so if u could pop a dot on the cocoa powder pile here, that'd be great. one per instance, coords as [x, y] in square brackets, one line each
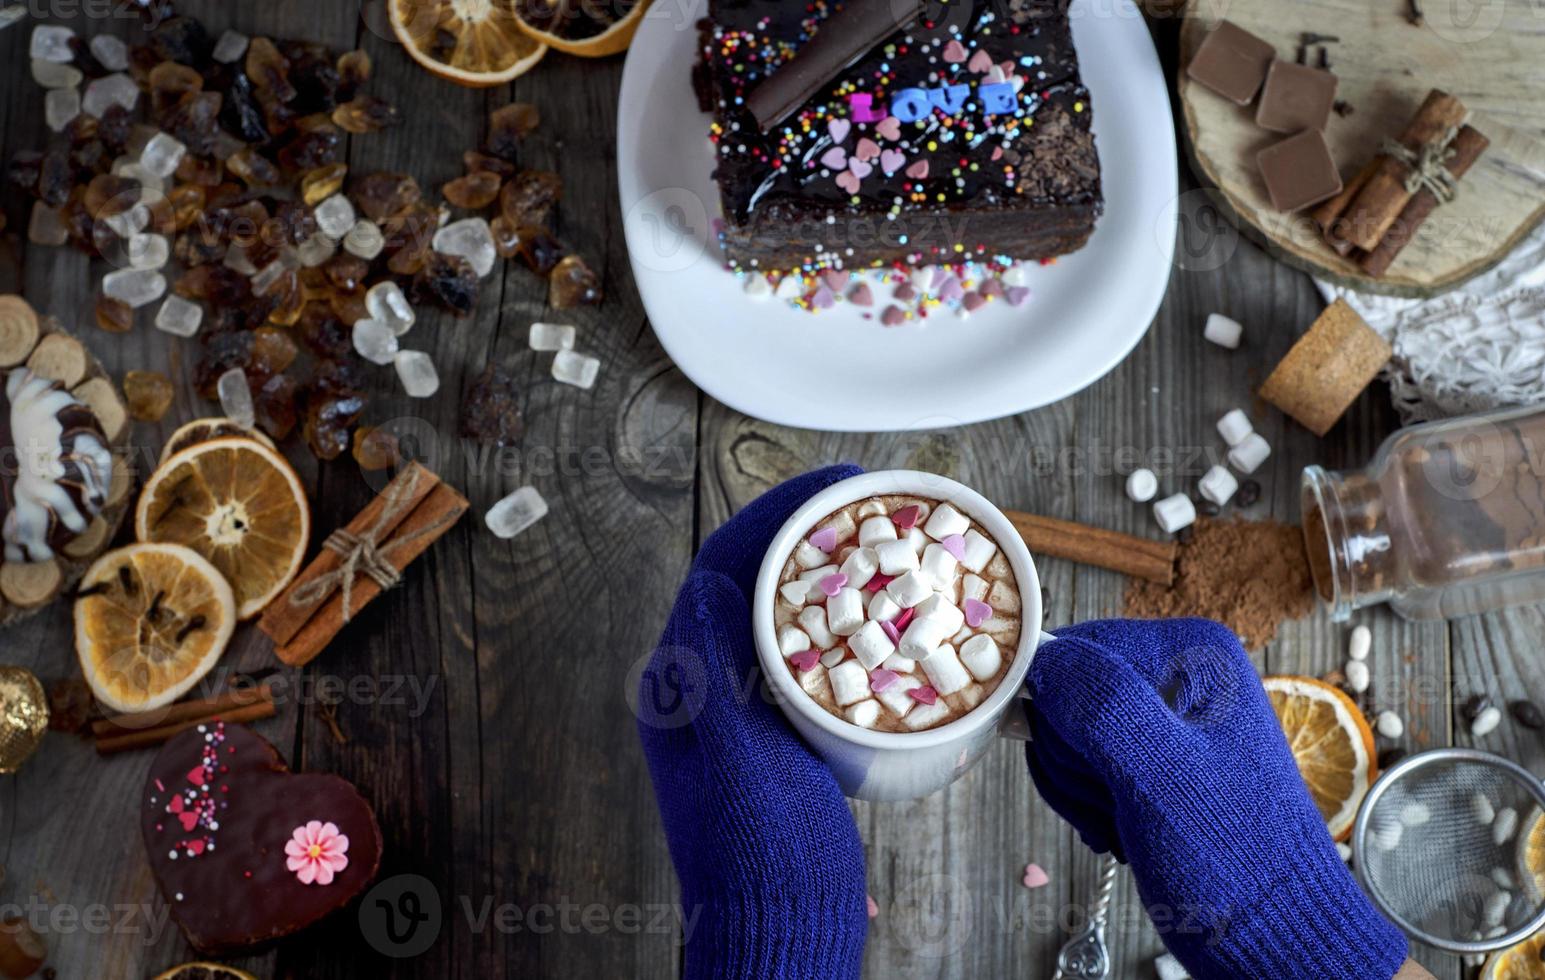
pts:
[1247, 575]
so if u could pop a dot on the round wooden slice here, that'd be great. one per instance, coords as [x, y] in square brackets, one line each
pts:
[1490, 54]
[56, 354]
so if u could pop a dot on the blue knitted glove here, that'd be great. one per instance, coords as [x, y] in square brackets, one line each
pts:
[1156, 740]
[769, 858]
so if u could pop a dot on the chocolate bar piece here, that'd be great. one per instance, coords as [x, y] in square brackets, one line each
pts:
[1232, 62]
[962, 139]
[1296, 97]
[1299, 171]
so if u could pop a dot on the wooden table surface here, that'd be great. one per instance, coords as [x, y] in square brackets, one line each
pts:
[486, 714]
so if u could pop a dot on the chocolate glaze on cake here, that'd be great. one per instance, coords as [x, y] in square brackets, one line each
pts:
[983, 172]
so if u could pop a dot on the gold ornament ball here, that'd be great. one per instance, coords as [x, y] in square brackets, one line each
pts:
[23, 717]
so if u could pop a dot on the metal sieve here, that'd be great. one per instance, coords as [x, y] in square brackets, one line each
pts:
[1441, 844]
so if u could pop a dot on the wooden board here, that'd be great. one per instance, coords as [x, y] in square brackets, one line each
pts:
[1385, 67]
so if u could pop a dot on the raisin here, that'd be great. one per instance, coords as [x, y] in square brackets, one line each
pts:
[490, 410]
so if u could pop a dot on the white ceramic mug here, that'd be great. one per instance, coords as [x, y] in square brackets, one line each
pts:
[878, 765]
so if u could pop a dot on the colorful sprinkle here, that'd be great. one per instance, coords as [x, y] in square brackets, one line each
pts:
[976, 612]
[833, 584]
[1035, 876]
[882, 679]
[806, 659]
[955, 544]
[906, 517]
[924, 694]
[825, 539]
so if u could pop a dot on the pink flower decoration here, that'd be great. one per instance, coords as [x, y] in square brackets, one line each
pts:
[317, 852]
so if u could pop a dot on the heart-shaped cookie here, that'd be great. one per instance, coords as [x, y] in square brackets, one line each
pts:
[246, 851]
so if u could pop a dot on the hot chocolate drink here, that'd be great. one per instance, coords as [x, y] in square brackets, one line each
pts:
[898, 613]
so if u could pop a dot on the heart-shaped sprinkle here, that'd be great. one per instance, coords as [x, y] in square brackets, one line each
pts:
[951, 289]
[1036, 876]
[980, 62]
[198, 775]
[906, 517]
[905, 292]
[835, 158]
[892, 161]
[973, 301]
[890, 630]
[881, 679]
[997, 153]
[995, 73]
[825, 539]
[867, 149]
[188, 819]
[879, 582]
[889, 128]
[874, 907]
[848, 182]
[894, 316]
[860, 295]
[1017, 295]
[955, 52]
[175, 806]
[823, 299]
[835, 278]
[806, 659]
[918, 170]
[832, 584]
[976, 612]
[838, 129]
[924, 694]
[904, 619]
[860, 168]
[990, 287]
[955, 544]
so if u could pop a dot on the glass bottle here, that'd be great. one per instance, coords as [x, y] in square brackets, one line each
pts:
[1448, 519]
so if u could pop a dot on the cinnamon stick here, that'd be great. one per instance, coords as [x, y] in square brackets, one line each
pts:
[1327, 216]
[111, 744]
[441, 508]
[1467, 147]
[1138, 557]
[1384, 195]
[197, 709]
[284, 618]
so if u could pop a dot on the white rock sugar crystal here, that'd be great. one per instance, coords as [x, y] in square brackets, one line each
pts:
[418, 374]
[335, 217]
[579, 370]
[60, 107]
[385, 302]
[52, 43]
[471, 239]
[162, 155]
[110, 90]
[135, 287]
[364, 240]
[52, 74]
[516, 513]
[236, 398]
[375, 341]
[231, 46]
[46, 227]
[148, 251]
[552, 336]
[111, 53]
[179, 317]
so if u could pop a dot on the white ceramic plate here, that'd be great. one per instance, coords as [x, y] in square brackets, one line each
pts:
[837, 370]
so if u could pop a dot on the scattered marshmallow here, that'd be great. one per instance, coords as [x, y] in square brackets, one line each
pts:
[939, 565]
[792, 640]
[1359, 643]
[1142, 485]
[1218, 485]
[860, 567]
[1166, 967]
[870, 645]
[918, 539]
[979, 551]
[923, 638]
[876, 530]
[1359, 678]
[833, 657]
[944, 670]
[896, 557]
[900, 664]
[1483, 809]
[882, 608]
[1486, 722]
[945, 521]
[938, 607]
[1387, 834]
[1503, 878]
[895, 696]
[910, 589]
[1235, 427]
[981, 657]
[1223, 331]
[807, 555]
[1415, 814]
[1174, 512]
[1250, 453]
[927, 715]
[1496, 908]
[864, 714]
[812, 619]
[1503, 827]
[1390, 725]
[845, 612]
[1344, 852]
[850, 682]
[973, 587]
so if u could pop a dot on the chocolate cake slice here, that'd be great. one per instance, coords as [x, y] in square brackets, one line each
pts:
[962, 136]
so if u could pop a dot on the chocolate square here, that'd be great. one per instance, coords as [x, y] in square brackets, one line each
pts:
[1299, 171]
[1296, 97]
[1232, 62]
[1327, 369]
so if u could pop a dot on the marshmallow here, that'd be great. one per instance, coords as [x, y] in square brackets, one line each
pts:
[900, 664]
[792, 640]
[923, 636]
[938, 607]
[973, 587]
[1360, 642]
[1223, 331]
[1218, 485]
[1142, 485]
[812, 619]
[943, 669]
[1166, 966]
[979, 551]
[863, 714]
[946, 520]
[833, 657]
[860, 567]
[1174, 513]
[981, 657]
[870, 645]
[927, 715]
[814, 681]
[813, 578]
[895, 697]
[970, 696]
[871, 507]
[845, 612]
[850, 682]
[876, 530]
[1235, 427]
[962, 635]
[1249, 454]
[939, 565]
[882, 608]
[807, 555]
[918, 540]
[795, 593]
[910, 589]
[896, 557]
[1004, 598]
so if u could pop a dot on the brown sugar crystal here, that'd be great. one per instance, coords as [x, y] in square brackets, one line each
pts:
[1247, 575]
[1327, 369]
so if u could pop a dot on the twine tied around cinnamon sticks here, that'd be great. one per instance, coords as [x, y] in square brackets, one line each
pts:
[1429, 164]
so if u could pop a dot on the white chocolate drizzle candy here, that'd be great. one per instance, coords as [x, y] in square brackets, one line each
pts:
[55, 470]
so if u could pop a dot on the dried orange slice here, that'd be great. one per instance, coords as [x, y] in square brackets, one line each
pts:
[150, 622]
[476, 43]
[203, 430]
[237, 503]
[1531, 856]
[1331, 741]
[588, 28]
[1520, 962]
[205, 971]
